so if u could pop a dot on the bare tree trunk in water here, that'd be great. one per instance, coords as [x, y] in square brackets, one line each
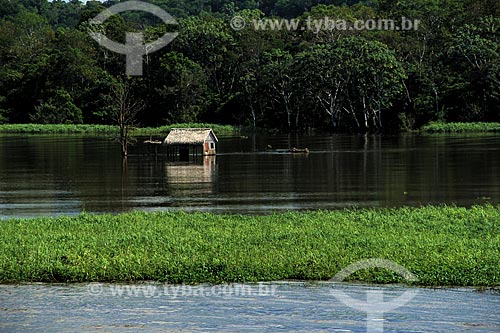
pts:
[124, 113]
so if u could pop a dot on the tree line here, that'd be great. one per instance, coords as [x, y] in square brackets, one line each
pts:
[52, 71]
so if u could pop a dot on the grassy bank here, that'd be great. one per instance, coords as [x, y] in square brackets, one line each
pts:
[441, 245]
[220, 130]
[461, 128]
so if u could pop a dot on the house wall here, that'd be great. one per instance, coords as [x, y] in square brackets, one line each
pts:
[209, 147]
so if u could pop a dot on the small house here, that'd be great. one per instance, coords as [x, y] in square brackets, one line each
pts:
[185, 141]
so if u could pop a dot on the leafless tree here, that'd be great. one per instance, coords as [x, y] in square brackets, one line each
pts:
[124, 110]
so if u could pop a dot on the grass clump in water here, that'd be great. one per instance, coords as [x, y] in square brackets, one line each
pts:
[441, 245]
[439, 127]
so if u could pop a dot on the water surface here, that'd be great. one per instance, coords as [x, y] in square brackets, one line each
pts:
[50, 175]
[282, 307]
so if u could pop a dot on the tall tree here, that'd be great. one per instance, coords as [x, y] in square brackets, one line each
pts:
[277, 75]
[208, 41]
[58, 109]
[353, 76]
[25, 44]
[183, 88]
[476, 51]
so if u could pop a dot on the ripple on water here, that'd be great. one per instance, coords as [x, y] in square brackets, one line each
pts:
[298, 307]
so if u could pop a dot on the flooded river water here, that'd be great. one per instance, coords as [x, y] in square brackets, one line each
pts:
[51, 175]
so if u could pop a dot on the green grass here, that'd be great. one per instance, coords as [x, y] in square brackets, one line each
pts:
[442, 245]
[57, 129]
[220, 130]
[437, 127]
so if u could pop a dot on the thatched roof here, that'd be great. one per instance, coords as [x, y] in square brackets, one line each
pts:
[189, 136]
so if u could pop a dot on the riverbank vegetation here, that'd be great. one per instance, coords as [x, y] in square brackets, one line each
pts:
[448, 70]
[443, 246]
[461, 128]
[220, 130]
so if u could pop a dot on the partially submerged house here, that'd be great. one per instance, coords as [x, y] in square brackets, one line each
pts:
[185, 141]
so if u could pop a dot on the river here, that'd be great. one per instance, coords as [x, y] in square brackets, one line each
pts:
[54, 175]
[269, 307]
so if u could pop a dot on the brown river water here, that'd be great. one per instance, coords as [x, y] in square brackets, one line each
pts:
[52, 175]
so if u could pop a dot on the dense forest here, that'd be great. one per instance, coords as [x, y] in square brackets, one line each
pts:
[52, 71]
